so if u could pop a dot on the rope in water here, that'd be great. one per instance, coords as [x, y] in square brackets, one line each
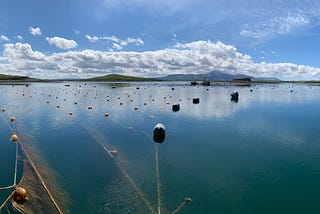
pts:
[158, 179]
[138, 191]
[41, 179]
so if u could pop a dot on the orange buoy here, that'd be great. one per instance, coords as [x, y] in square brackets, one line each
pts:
[20, 194]
[114, 152]
[12, 119]
[106, 114]
[14, 138]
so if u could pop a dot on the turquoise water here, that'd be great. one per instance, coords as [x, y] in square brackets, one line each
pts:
[258, 155]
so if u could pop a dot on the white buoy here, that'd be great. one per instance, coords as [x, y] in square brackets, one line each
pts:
[159, 133]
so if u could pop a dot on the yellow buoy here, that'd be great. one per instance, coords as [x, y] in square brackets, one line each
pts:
[14, 138]
[12, 119]
[20, 195]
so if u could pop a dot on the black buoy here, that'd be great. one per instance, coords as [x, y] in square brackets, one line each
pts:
[196, 100]
[176, 107]
[235, 96]
[159, 133]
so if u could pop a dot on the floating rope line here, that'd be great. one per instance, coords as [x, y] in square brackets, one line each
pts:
[158, 180]
[16, 164]
[6, 201]
[138, 191]
[7, 123]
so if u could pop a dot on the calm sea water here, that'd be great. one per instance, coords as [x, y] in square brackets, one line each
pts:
[258, 155]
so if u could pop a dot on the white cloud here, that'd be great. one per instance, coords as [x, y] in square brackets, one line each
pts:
[62, 43]
[18, 37]
[92, 38]
[76, 31]
[117, 43]
[35, 31]
[275, 26]
[4, 38]
[116, 46]
[194, 57]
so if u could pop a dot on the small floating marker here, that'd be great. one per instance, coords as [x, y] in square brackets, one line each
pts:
[48, 102]
[14, 138]
[114, 152]
[121, 104]
[20, 194]
[71, 113]
[145, 103]
[106, 114]
[3, 110]
[195, 100]
[58, 106]
[89, 107]
[159, 133]
[75, 103]
[12, 119]
[175, 107]
[136, 108]
[172, 89]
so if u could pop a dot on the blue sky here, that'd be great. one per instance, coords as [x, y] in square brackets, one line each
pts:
[68, 38]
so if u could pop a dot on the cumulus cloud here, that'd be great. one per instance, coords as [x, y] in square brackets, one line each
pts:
[4, 38]
[61, 42]
[35, 31]
[194, 57]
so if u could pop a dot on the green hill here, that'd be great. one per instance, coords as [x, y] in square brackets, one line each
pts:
[4, 77]
[118, 77]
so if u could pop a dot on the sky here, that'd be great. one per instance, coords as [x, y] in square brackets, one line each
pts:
[81, 39]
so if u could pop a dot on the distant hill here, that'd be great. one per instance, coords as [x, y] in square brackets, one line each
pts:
[213, 75]
[5, 77]
[120, 78]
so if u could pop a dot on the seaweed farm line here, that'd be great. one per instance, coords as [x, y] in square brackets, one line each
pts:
[159, 148]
